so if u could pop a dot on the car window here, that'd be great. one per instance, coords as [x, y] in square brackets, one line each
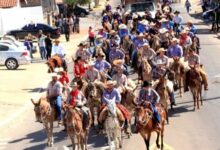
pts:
[42, 27]
[28, 27]
[4, 48]
[142, 7]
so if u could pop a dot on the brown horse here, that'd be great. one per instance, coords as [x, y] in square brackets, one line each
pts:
[75, 130]
[163, 91]
[56, 62]
[178, 69]
[195, 83]
[46, 114]
[144, 71]
[93, 94]
[145, 123]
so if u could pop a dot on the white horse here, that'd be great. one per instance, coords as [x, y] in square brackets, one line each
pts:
[112, 126]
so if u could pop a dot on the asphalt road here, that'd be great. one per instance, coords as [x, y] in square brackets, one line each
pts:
[188, 129]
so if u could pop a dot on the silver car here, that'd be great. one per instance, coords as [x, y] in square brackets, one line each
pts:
[12, 55]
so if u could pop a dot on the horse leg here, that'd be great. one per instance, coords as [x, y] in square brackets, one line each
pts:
[162, 135]
[200, 94]
[109, 139]
[51, 132]
[194, 98]
[47, 132]
[197, 98]
[167, 117]
[180, 87]
[146, 140]
[157, 140]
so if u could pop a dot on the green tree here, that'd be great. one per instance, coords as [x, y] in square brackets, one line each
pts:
[74, 2]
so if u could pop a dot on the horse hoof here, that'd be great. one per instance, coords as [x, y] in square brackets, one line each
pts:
[158, 146]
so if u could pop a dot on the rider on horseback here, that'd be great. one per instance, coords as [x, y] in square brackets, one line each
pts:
[194, 61]
[54, 95]
[77, 99]
[147, 94]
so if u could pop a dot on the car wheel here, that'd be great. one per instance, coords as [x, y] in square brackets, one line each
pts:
[82, 14]
[11, 64]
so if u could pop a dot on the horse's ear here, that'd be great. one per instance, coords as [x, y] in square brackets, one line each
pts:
[33, 102]
[39, 102]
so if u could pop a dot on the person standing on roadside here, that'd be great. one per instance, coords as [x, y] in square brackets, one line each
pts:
[41, 44]
[187, 5]
[66, 27]
[91, 36]
[76, 24]
[48, 43]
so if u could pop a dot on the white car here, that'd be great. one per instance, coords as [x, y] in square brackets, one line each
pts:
[140, 7]
[12, 55]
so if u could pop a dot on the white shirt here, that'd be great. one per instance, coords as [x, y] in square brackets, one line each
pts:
[59, 50]
[178, 19]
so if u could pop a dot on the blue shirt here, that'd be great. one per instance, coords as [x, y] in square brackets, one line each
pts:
[175, 51]
[114, 94]
[116, 54]
[101, 65]
[138, 43]
[148, 95]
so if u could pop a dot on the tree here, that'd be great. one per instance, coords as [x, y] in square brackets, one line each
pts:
[74, 2]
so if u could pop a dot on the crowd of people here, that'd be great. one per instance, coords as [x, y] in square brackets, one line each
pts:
[125, 41]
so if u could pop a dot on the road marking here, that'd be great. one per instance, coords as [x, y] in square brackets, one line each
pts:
[166, 147]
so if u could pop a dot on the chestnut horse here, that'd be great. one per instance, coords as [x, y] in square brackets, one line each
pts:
[178, 69]
[195, 84]
[144, 71]
[75, 130]
[56, 62]
[145, 123]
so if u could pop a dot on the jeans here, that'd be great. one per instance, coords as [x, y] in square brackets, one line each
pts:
[58, 107]
[43, 52]
[155, 113]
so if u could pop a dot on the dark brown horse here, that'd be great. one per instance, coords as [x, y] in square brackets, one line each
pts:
[146, 125]
[195, 83]
[56, 62]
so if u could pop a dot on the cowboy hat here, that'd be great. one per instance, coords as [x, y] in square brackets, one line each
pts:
[110, 83]
[140, 35]
[56, 41]
[184, 31]
[127, 12]
[176, 12]
[118, 62]
[135, 16]
[57, 70]
[145, 44]
[91, 63]
[54, 75]
[80, 44]
[175, 40]
[146, 84]
[112, 32]
[163, 30]
[74, 84]
[152, 24]
[99, 36]
[144, 22]
[161, 50]
[122, 26]
[100, 54]
[163, 20]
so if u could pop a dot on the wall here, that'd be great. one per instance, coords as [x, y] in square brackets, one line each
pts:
[15, 18]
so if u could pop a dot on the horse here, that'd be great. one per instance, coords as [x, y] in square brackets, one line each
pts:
[56, 62]
[112, 126]
[144, 71]
[178, 69]
[144, 120]
[195, 83]
[75, 130]
[163, 91]
[93, 94]
[46, 114]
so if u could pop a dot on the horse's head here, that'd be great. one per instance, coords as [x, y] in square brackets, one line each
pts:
[50, 66]
[146, 66]
[143, 115]
[194, 73]
[112, 109]
[92, 90]
[37, 109]
[162, 86]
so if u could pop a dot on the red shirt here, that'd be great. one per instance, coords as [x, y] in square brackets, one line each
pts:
[73, 95]
[79, 69]
[91, 33]
[64, 78]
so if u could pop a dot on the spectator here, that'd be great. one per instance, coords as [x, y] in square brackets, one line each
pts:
[41, 44]
[91, 36]
[76, 24]
[66, 27]
[187, 5]
[48, 43]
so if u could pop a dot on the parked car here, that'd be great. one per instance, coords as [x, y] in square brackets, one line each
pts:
[140, 6]
[12, 56]
[10, 39]
[79, 11]
[34, 29]
[209, 14]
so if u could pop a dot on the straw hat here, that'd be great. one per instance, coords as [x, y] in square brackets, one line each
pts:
[135, 16]
[91, 63]
[53, 75]
[144, 22]
[118, 62]
[99, 36]
[145, 44]
[184, 31]
[56, 41]
[175, 40]
[110, 83]
[122, 26]
[163, 30]
[163, 20]
[112, 32]
[161, 50]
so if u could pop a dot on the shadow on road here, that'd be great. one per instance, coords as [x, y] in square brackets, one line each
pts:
[19, 69]
[35, 90]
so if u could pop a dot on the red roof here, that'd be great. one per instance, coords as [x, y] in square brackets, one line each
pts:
[8, 3]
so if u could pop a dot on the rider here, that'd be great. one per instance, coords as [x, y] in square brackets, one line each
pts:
[78, 100]
[79, 67]
[81, 52]
[194, 61]
[115, 53]
[91, 74]
[175, 50]
[178, 20]
[54, 95]
[147, 53]
[147, 93]
[111, 93]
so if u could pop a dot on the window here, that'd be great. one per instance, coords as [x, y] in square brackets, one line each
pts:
[4, 48]
[138, 7]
